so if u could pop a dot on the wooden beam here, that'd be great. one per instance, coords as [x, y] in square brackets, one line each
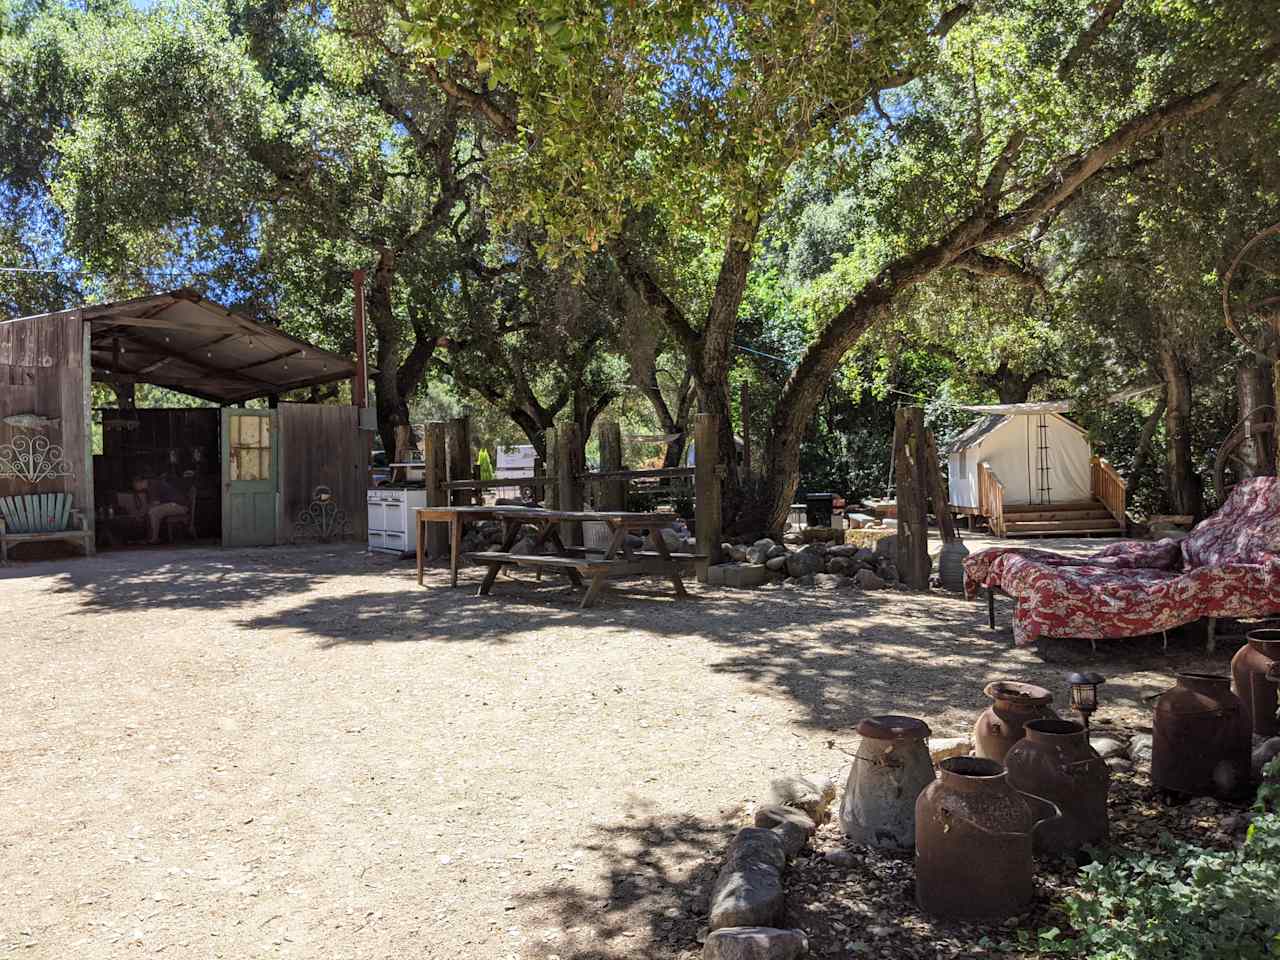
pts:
[938, 489]
[434, 474]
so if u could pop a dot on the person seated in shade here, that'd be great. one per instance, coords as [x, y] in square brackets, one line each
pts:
[156, 500]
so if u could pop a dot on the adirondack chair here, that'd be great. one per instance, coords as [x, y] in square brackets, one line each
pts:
[40, 516]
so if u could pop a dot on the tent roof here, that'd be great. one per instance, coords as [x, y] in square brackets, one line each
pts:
[974, 432]
[185, 342]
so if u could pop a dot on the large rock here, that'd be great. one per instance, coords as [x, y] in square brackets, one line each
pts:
[864, 555]
[868, 580]
[887, 546]
[759, 551]
[804, 562]
[888, 571]
[738, 553]
[778, 550]
[812, 794]
[843, 550]
[748, 890]
[828, 581]
[776, 564]
[755, 943]
[793, 827]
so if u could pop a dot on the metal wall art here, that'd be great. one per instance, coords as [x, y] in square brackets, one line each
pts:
[322, 519]
[34, 459]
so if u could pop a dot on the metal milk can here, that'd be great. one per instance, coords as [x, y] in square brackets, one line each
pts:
[891, 767]
[1249, 679]
[1013, 704]
[1055, 762]
[1202, 737]
[973, 842]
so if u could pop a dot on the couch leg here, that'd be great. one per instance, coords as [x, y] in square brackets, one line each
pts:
[991, 607]
[1210, 635]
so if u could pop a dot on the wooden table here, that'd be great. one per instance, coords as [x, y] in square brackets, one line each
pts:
[620, 557]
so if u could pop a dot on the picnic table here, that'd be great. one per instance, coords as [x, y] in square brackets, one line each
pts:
[578, 564]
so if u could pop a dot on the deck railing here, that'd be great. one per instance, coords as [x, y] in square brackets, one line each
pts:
[991, 498]
[1109, 487]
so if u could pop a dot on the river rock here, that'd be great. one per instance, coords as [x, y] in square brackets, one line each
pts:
[1108, 746]
[738, 553]
[828, 581]
[1140, 747]
[776, 564]
[888, 571]
[868, 580]
[777, 550]
[804, 562]
[755, 943]
[841, 566]
[793, 827]
[812, 794]
[748, 890]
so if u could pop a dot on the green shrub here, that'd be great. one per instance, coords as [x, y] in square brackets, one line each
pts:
[1181, 902]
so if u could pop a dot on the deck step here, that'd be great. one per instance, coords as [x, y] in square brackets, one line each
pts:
[1062, 527]
[1047, 514]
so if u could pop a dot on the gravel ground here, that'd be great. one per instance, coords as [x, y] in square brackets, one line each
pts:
[297, 752]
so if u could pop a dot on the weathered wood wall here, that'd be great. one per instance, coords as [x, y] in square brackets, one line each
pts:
[42, 372]
[321, 444]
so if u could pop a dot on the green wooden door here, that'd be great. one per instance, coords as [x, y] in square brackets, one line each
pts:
[250, 477]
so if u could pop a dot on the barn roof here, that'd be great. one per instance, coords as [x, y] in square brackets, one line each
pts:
[185, 342]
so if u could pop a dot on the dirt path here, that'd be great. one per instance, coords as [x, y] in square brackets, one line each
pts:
[298, 753]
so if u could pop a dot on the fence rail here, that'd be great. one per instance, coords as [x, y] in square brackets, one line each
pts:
[991, 498]
[1109, 487]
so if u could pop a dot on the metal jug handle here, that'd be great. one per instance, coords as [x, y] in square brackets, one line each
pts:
[1057, 810]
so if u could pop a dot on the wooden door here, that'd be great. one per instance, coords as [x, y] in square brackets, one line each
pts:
[250, 477]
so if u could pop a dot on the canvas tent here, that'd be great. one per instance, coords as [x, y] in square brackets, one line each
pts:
[1039, 455]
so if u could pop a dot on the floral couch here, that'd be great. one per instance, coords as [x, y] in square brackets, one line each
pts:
[1229, 566]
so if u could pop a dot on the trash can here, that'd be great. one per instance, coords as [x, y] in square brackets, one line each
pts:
[818, 509]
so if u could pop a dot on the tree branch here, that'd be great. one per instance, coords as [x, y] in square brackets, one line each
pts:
[1084, 43]
[985, 265]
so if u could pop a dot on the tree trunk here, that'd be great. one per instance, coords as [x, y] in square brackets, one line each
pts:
[393, 410]
[1255, 388]
[1180, 478]
[1143, 452]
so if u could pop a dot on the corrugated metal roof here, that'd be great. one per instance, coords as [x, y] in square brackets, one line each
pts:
[181, 340]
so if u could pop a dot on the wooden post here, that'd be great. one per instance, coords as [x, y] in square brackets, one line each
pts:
[706, 489]
[744, 405]
[458, 463]
[539, 470]
[938, 489]
[551, 492]
[360, 382]
[569, 470]
[612, 492]
[912, 489]
[434, 443]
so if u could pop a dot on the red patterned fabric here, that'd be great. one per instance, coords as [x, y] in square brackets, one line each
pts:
[1228, 567]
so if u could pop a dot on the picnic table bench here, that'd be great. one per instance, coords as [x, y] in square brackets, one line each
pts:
[578, 564]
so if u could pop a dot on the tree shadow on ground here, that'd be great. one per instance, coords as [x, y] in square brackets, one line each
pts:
[204, 579]
[658, 874]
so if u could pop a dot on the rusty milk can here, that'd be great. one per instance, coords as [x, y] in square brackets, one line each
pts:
[973, 843]
[890, 768]
[1013, 704]
[1249, 681]
[1054, 761]
[1202, 737]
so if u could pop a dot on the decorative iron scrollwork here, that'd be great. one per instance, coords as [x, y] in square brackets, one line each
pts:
[322, 519]
[34, 459]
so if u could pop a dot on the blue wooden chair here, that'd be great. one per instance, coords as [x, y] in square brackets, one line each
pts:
[40, 516]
